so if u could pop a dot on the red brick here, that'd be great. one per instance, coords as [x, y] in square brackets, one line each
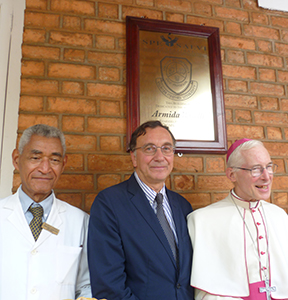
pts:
[205, 21]
[31, 103]
[284, 35]
[71, 71]
[70, 39]
[277, 149]
[172, 17]
[234, 28]
[240, 101]
[267, 89]
[73, 123]
[105, 42]
[109, 74]
[229, 115]
[214, 183]
[234, 56]
[75, 182]
[230, 13]
[75, 162]
[174, 5]
[271, 118]
[73, 199]
[197, 200]
[279, 21]
[280, 199]
[34, 36]
[259, 18]
[283, 76]
[112, 108]
[184, 182]
[282, 49]
[274, 133]
[39, 86]
[25, 120]
[71, 105]
[42, 20]
[74, 6]
[103, 26]
[243, 116]
[203, 9]
[262, 32]
[237, 86]
[267, 75]
[110, 143]
[237, 42]
[109, 11]
[189, 164]
[280, 183]
[244, 131]
[250, 4]
[107, 180]
[89, 199]
[112, 59]
[80, 143]
[109, 163]
[73, 88]
[264, 60]
[239, 72]
[233, 3]
[74, 55]
[40, 52]
[215, 165]
[105, 90]
[281, 165]
[107, 125]
[267, 103]
[284, 105]
[264, 46]
[73, 23]
[32, 68]
[145, 2]
[37, 4]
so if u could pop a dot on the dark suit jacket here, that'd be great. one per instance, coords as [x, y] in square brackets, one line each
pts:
[128, 253]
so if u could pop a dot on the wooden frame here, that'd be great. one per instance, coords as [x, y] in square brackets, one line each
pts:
[155, 38]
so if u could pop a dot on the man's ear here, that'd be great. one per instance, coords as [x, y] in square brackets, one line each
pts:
[133, 158]
[230, 173]
[64, 162]
[15, 159]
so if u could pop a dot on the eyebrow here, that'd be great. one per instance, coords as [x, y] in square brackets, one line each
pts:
[35, 151]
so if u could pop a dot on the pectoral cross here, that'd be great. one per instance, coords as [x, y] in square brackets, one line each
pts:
[267, 289]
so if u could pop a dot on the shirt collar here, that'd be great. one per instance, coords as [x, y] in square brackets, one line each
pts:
[245, 203]
[26, 202]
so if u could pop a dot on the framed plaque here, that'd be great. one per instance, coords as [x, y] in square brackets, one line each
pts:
[174, 75]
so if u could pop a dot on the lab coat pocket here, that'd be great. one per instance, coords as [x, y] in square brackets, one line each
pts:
[67, 261]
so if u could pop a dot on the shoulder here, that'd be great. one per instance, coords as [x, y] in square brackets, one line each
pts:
[72, 211]
[274, 209]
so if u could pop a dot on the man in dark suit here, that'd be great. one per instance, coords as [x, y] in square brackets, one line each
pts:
[138, 243]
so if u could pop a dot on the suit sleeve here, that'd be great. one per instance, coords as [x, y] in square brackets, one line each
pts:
[105, 252]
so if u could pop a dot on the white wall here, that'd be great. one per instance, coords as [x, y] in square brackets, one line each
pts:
[11, 14]
[275, 4]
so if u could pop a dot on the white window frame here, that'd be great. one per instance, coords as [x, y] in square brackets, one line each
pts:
[11, 32]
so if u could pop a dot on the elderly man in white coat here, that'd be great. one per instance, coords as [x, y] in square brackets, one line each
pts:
[241, 243]
[42, 239]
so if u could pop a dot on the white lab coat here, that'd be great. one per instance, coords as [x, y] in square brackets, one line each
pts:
[52, 268]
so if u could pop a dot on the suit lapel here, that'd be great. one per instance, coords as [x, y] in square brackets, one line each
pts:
[140, 201]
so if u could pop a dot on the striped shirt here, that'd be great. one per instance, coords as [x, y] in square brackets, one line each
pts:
[151, 195]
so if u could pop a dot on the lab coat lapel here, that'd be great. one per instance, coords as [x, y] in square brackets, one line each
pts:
[17, 217]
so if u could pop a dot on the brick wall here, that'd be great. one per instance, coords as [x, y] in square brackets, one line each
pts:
[73, 77]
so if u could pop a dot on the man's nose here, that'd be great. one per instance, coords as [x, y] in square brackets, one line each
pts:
[158, 154]
[44, 165]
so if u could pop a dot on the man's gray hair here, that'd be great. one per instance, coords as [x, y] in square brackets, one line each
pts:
[41, 130]
[236, 159]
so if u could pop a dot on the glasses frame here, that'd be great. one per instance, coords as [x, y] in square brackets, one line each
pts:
[274, 166]
[161, 147]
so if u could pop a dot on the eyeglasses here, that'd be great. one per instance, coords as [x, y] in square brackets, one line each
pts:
[151, 149]
[258, 170]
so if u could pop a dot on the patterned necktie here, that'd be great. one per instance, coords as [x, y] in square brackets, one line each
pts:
[36, 223]
[165, 226]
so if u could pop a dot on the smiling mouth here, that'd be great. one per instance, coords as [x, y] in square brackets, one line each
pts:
[262, 186]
